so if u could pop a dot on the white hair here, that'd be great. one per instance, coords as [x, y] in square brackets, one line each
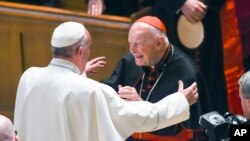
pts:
[244, 83]
[158, 32]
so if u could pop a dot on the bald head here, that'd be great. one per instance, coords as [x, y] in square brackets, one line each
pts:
[6, 129]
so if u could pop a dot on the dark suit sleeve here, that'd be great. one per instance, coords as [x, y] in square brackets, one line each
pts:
[125, 73]
[117, 75]
[204, 98]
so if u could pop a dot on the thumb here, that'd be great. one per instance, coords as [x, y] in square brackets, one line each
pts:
[181, 86]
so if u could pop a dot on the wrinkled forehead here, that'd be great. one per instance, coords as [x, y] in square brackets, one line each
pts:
[139, 26]
[140, 30]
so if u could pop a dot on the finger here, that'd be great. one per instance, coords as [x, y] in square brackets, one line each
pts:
[102, 58]
[124, 91]
[198, 16]
[101, 64]
[94, 71]
[119, 86]
[191, 19]
[89, 11]
[94, 9]
[130, 97]
[181, 86]
[196, 90]
[133, 90]
[124, 96]
[196, 95]
[200, 10]
[193, 86]
[99, 9]
[128, 87]
[202, 5]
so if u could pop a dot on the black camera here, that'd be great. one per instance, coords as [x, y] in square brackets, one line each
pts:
[217, 126]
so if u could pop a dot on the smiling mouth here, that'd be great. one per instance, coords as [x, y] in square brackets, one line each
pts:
[138, 56]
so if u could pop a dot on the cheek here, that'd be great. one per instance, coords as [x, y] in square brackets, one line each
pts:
[244, 107]
[149, 54]
[86, 54]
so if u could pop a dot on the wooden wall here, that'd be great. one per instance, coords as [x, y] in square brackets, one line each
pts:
[25, 33]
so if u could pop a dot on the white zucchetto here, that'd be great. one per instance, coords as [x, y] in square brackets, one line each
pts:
[67, 34]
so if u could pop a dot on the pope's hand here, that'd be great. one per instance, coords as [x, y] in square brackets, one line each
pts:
[94, 65]
[191, 92]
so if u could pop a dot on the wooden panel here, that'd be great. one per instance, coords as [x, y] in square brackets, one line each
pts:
[79, 5]
[11, 69]
[25, 33]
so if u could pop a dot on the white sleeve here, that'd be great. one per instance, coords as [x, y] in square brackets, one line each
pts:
[170, 110]
[84, 74]
[143, 116]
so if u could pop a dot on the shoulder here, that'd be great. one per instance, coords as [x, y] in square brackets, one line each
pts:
[31, 71]
[181, 59]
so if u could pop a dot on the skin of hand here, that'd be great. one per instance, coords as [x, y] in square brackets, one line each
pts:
[95, 64]
[128, 93]
[194, 10]
[95, 7]
[191, 92]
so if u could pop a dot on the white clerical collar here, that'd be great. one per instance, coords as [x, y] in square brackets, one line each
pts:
[65, 64]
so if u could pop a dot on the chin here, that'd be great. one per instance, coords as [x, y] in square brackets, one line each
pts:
[139, 64]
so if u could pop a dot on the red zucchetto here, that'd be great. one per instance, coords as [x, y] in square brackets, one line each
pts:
[153, 21]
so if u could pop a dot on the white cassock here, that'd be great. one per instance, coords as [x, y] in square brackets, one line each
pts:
[56, 103]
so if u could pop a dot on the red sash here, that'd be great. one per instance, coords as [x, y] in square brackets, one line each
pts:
[184, 135]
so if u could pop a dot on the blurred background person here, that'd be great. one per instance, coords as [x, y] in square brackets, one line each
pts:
[244, 93]
[117, 7]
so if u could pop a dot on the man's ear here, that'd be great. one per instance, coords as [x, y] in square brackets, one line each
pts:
[159, 41]
[80, 51]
